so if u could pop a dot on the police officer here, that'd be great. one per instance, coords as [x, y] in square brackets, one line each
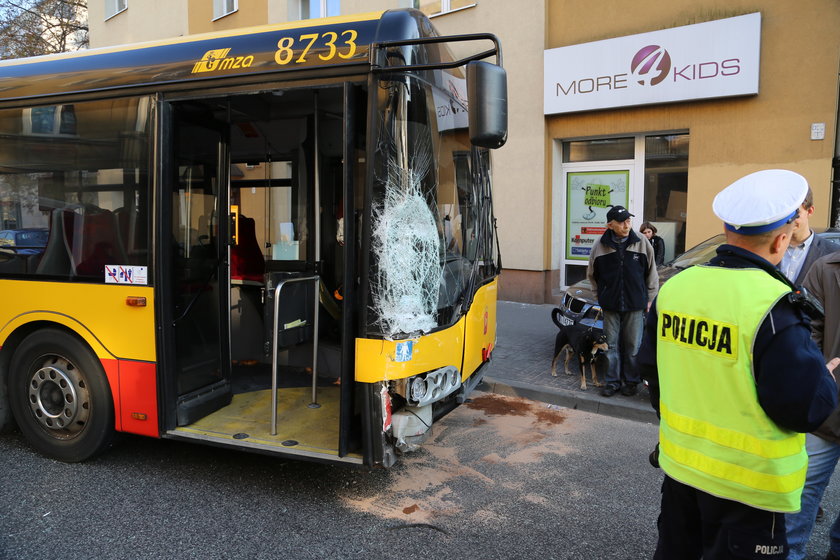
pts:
[736, 380]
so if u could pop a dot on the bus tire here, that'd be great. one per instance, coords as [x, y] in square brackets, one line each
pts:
[60, 396]
[7, 423]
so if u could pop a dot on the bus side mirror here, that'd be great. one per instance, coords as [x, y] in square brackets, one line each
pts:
[487, 92]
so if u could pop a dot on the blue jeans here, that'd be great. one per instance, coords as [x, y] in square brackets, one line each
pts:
[628, 327]
[822, 458]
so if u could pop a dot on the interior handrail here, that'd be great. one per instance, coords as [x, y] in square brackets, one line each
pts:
[316, 279]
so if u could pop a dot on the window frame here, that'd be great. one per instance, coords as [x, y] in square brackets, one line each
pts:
[446, 8]
[114, 8]
[220, 8]
[323, 9]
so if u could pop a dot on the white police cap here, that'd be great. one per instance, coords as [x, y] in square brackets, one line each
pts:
[761, 201]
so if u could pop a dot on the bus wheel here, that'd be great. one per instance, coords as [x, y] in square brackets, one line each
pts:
[60, 396]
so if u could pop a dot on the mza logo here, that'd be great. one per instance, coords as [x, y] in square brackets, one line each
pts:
[218, 59]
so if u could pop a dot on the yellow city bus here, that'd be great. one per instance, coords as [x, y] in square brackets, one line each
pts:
[279, 239]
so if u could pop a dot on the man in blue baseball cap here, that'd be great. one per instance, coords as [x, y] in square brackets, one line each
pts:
[736, 381]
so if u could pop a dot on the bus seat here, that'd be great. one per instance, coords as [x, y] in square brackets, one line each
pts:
[100, 244]
[246, 259]
[56, 260]
[126, 218]
[32, 262]
[12, 264]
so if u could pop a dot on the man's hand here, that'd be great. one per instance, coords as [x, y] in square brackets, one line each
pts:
[831, 366]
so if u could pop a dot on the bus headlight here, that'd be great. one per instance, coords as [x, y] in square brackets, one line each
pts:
[417, 389]
[432, 386]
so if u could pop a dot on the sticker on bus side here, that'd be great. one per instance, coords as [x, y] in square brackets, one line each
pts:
[125, 274]
[405, 351]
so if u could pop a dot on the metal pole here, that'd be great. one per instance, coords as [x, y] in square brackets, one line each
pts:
[316, 279]
[317, 195]
[314, 403]
[274, 361]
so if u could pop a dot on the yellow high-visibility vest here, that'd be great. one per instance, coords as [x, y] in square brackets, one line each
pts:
[714, 435]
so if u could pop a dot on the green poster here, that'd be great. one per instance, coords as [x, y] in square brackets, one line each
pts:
[589, 195]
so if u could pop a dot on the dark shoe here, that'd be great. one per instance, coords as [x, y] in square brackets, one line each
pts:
[820, 514]
[629, 389]
[608, 391]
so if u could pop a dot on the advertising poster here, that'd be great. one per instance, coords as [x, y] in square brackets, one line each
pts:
[589, 195]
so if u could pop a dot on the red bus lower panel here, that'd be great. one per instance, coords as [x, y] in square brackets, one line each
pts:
[135, 396]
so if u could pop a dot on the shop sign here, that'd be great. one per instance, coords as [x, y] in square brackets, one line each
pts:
[451, 110]
[702, 61]
[589, 196]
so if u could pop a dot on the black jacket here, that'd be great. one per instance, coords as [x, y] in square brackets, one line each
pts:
[658, 249]
[623, 274]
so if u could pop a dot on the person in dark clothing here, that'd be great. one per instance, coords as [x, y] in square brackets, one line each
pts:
[649, 230]
[823, 283]
[736, 380]
[805, 247]
[622, 272]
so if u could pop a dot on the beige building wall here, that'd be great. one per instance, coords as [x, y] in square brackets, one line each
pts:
[798, 86]
[249, 14]
[144, 20]
[519, 168]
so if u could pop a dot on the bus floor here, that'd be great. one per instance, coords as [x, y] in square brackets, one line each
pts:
[302, 430]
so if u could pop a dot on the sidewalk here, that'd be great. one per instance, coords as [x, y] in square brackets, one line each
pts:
[521, 366]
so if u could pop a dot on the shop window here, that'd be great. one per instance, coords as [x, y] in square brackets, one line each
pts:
[646, 173]
[222, 8]
[666, 188]
[606, 149]
[113, 7]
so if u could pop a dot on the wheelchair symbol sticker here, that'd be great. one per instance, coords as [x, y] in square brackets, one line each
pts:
[405, 351]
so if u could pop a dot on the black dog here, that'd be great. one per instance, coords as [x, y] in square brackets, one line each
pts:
[586, 345]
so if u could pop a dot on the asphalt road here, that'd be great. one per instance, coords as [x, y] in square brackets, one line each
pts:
[502, 478]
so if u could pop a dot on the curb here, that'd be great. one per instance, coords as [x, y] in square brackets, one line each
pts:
[617, 406]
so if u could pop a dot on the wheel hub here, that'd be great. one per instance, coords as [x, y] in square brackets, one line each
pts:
[59, 398]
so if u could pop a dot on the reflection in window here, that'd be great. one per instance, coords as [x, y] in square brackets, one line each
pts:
[603, 149]
[666, 188]
[53, 120]
[75, 179]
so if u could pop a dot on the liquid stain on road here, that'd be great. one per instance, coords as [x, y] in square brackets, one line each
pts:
[496, 405]
[467, 452]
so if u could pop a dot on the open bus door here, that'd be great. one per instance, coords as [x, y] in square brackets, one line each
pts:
[197, 273]
[267, 362]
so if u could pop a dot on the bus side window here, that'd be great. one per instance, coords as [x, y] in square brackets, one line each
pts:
[75, 186]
